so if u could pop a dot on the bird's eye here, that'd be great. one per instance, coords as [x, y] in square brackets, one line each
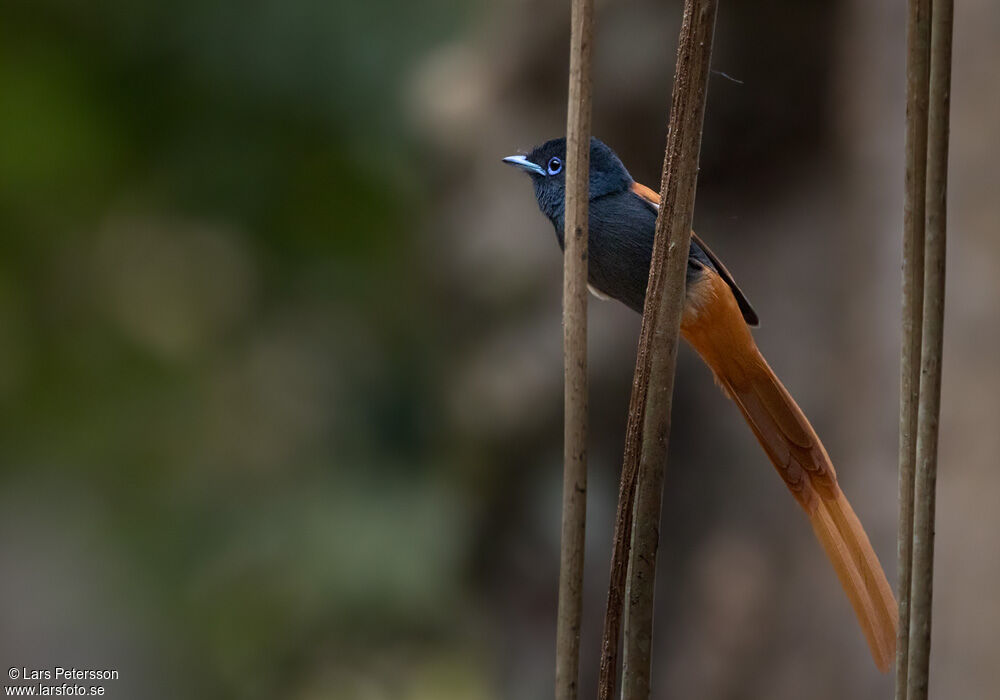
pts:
[554, 166]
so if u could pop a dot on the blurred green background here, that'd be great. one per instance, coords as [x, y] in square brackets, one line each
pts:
[280, 371]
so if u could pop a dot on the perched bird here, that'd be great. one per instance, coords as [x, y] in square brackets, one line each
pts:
[716, 322]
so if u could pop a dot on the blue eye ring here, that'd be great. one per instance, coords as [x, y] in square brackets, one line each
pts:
[554, 165]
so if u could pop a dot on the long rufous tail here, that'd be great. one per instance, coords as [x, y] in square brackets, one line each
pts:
[714, 326]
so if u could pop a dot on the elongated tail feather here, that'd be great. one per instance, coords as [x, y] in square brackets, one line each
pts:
[713, 324]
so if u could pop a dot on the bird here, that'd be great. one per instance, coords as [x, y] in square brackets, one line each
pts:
[716, 322]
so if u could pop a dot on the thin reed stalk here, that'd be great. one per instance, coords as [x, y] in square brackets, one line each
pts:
[928, 413]
[574, 514]
[917, 85]
[659, 338]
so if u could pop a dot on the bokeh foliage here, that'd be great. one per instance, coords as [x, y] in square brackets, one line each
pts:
[214, 349]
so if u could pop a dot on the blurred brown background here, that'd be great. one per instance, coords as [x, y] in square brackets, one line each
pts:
[280, 364]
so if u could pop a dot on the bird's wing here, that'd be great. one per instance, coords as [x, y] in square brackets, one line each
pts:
[749, 315]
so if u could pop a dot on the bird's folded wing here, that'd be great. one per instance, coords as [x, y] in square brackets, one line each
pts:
[749, 315]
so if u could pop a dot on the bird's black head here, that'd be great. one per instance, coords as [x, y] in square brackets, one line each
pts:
[547, 167]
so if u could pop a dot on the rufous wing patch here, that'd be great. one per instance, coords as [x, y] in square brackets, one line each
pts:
[749, 315]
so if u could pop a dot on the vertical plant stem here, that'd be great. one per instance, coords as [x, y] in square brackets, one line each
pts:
[925, 481]
[622, 543]
[574, 514]
[664, 304]
[917, 85]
